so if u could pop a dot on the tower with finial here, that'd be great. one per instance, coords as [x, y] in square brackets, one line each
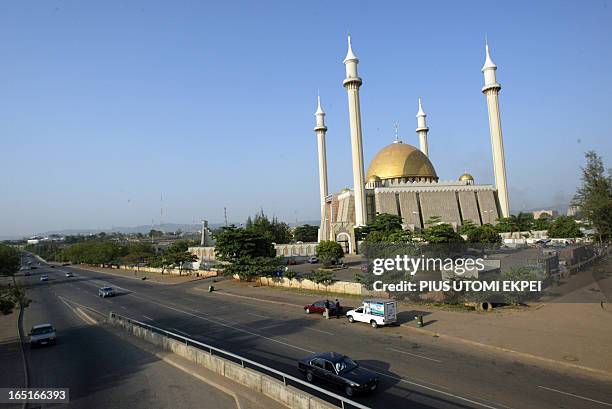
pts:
[351, 83]
[491, 90]
[422, 130]
[320, 130]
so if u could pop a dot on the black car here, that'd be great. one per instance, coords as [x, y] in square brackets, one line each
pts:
[339, 370]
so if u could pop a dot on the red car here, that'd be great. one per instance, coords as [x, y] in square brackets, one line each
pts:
[319, 308]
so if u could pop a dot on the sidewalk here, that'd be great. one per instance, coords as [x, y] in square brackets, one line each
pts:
[11, 357]
[574, 336]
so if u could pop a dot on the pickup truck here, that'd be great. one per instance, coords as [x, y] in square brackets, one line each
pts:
[375, 312]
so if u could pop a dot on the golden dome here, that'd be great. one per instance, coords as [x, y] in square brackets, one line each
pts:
[401, 160]
[466, 177]
[372, 178]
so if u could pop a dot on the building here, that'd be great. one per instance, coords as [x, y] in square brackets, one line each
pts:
[546, 214]
[401, 178]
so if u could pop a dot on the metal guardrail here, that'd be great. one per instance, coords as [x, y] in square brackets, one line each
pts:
[189, 341]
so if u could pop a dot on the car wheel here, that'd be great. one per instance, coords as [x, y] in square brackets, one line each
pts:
[349, 391]
[309, 376]
[351, 319]
[307, 310]
[373, 324]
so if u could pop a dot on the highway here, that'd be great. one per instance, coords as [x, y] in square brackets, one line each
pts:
[101, 369]
[412, 375]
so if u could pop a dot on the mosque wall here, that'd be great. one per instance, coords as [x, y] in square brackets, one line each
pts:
[488, 206]
[469, 207]
[410, 209]
[442, 204]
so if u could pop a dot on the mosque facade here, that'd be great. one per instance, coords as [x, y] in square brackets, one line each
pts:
[401, 179]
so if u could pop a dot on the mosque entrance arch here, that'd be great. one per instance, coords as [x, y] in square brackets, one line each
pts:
[344, 239]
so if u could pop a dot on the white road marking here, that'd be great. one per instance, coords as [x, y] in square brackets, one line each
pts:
[149, 318]
[415, 355]
[318, 330]
[257, 315]
[576, 396]
[123, 307]
[181, 332]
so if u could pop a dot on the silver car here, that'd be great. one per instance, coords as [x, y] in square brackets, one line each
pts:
[106, 292]
[42, 334]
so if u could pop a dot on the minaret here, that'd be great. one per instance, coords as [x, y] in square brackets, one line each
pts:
[320, 130]
[422, 130]
[352, 82]
[491, 90]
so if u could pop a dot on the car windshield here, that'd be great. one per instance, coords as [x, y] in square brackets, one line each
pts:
[346, 364]
[43, 330]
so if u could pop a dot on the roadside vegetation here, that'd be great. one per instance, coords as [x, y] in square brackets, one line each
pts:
[11, 294]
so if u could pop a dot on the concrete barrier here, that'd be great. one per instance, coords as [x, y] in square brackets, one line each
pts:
[256, 381]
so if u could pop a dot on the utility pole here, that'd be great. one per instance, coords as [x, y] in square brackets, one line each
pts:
[225, 215]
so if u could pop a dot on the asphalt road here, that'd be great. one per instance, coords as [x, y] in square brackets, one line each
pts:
[101, 369]
[413, 375]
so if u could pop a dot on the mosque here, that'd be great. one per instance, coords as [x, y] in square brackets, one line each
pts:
[401, 178]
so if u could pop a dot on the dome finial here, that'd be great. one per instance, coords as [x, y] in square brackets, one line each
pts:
[489, 64]
[420, 112]
[319, 109]
[350, 55]
[396, 129]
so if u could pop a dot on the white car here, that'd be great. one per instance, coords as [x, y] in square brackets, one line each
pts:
[69, 274]
[44, 278]
[42, 334]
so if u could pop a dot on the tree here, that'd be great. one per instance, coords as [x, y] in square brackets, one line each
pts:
[306, 233]
[329, 252]
[436, 232]
[564, 227]
[485, 234]
[595, 195]
[248, 254]
[384, 228]
[275, 231]
[466, 227]
[541, 223]
[9, 260]
[10, 295]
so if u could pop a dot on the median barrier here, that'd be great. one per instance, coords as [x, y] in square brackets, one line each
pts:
[269, 386]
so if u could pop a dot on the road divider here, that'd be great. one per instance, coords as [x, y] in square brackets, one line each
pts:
[258, 377]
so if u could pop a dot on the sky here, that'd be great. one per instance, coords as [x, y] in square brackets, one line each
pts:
[110, 111]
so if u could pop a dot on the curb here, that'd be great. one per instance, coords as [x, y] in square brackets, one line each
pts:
[26, 370]
[525, 355]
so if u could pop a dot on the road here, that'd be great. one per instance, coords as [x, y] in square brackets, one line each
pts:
[101, 369]
[412, 375]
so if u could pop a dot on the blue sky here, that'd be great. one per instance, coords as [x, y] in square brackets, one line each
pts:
[106, 106]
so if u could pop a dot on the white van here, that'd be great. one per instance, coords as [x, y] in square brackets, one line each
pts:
[375, 312]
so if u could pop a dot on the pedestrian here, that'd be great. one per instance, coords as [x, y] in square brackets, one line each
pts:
[338, 309]
[327, 305]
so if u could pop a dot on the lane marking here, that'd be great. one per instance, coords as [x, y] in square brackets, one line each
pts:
[182, 332]
[576, 396]
[149, 318]
[123, 307]
[258, 315]
[318, 330]
[79, 312]
[415, 355]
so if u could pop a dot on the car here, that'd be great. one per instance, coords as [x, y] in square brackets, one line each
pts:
[69, 274]
[313, 260]
[52, 266]
[42, 334]
[291, 262]
[27, 273]
[318, 307]
[65, 264]
[106, 292]
[44, 277]
[340, 370]
[33, 267]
